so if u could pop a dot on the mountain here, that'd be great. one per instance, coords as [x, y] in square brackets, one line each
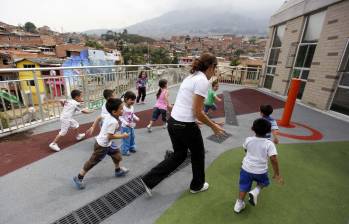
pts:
[201, 22]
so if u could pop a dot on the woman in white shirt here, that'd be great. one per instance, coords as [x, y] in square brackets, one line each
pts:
[184, 131]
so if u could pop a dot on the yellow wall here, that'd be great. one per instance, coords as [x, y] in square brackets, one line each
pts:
[29, 75]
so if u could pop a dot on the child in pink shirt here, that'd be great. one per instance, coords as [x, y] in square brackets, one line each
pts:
[161, 105]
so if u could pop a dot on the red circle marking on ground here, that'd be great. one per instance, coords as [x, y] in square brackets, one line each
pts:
[315, 134]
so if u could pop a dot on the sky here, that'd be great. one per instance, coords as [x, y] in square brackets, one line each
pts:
[82, 15]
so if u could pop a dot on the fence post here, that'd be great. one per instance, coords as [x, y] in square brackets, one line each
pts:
[38, 95]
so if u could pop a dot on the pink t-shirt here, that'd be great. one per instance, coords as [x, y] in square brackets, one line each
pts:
[161, 101]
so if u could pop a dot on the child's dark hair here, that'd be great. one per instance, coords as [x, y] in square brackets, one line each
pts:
[107, 93]
[261, 127]
[162, 84]
[266, 109]
[129, 95]
[140, 74]
[113, 104]
[215, 82]
[75, 93]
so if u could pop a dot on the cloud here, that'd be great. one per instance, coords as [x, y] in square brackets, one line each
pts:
[80, 15]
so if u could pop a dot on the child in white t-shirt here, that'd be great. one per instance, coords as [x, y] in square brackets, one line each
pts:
[102, 146]
[69, 108]
[255, 164]
[128, 124]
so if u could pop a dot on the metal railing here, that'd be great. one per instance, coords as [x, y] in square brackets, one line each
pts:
[34, 99]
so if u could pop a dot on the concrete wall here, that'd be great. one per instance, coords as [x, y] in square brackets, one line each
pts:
[323, 77]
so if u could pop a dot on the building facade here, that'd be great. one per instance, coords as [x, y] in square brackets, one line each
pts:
[308, 39]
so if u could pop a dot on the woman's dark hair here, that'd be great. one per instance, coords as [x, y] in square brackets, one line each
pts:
[75, 93]
[129, 95]
[107, 93]
[140, 74]
[261, 127]
[162, 84]
[203, 63]
[113, 104]
[266, 109]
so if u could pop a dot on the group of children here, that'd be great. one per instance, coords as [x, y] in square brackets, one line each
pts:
[258, 148]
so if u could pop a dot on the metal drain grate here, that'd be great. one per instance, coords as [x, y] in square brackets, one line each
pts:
[230, 115]
[110, 203]
[219, 139]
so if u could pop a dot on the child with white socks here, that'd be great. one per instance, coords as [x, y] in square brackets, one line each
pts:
[255, 164]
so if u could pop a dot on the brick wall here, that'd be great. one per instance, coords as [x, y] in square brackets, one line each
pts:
[293, 32]
[10, 39]
[266, 54]
[322, 80]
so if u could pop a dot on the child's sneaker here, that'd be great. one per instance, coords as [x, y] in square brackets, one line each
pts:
[78, 183]
[54, 147]
[122, 172]
[239, 206]
[204, 188]
[253, 197]
[133, 150]
[149, 128]
[126, 153]
[147, 189]
[165, 126]
[80, 136]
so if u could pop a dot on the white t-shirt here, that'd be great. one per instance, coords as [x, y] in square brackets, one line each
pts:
[183, 110]
[110, 126]
[104, 112]
[128, 117]
[258, 151]
[69, 109]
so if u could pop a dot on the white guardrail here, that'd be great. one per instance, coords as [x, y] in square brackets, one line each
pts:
[34, 98]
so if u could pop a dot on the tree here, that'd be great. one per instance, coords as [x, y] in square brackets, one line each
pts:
[238, 52]
[94, 44]
[234, 62]
[30, 27]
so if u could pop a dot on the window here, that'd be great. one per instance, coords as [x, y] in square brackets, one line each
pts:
[340, 101]
[31, 83]
[306, 49]
[274, 53]
[28, 66]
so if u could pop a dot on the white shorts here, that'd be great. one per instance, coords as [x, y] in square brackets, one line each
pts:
[66, 124]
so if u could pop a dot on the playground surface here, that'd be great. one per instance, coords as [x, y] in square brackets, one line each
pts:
[36, 182]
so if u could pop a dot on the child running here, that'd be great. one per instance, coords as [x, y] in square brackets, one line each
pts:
[209, 103]
[161, 105]
[69, 108]
[141, 86]
[103, 143]
[266, 111]
[255, 164]
[128, 124]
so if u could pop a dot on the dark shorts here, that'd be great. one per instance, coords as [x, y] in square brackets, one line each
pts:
[209, 107]
[157, 112]
[247, 178]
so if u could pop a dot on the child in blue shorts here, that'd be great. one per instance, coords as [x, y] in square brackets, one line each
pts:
[255, 164]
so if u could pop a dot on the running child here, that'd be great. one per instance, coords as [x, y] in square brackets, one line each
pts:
[69, 108]
[209, 103]
[266, 111]
[255, 164]
[161, 105]
[141, 86]
[103, 142]
[128, 124]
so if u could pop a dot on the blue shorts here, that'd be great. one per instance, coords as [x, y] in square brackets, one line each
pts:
[157, 112]
[247, 178]
[209, 107]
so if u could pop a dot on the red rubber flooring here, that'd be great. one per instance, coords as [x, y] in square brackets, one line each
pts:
[21, 149]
